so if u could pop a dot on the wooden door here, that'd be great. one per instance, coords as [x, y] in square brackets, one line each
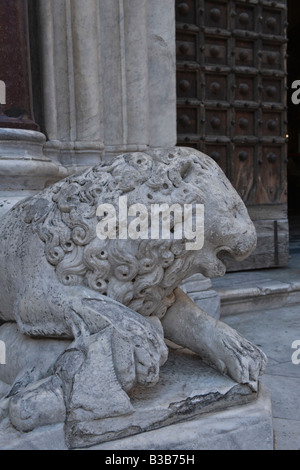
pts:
[231, 104]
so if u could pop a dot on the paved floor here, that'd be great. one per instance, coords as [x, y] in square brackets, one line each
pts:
[275, 330]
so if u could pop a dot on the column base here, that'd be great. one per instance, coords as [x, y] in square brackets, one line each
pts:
[112, 151]
[23, 165]
[75, 155]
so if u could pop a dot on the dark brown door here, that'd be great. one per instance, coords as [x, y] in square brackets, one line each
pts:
[231, 104]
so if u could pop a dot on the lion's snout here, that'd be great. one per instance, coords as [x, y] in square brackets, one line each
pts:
[244, 243]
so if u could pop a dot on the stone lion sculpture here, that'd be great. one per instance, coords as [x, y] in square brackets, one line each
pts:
[84, 319]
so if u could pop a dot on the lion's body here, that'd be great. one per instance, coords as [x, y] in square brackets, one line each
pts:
[114, 300]
[49, 242]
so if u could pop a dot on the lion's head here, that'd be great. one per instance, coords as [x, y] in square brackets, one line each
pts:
[141, 274]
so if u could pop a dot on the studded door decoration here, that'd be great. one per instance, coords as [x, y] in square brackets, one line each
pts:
[231, 104]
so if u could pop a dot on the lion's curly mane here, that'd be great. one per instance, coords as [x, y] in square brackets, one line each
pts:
[140, 274]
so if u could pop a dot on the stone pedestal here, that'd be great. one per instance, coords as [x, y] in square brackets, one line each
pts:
[245, 427]
[192, 407]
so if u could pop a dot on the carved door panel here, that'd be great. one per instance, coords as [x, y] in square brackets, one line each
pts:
[231, 104]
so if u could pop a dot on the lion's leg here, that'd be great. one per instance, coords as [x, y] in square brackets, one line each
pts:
[219, 345]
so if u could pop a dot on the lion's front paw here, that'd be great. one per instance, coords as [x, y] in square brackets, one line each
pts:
[236, 356]
[138, 354]
[138, 344]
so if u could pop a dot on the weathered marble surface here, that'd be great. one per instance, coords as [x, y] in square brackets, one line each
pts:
[190, 408]
[114, 300]
[245, 427]
[187, 389]
[109, 70]
[23, 165]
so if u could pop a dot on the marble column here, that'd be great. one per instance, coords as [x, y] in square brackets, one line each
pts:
[125, 75]
[71, 57]
[161, 72]
[139, 73]
[109, 77]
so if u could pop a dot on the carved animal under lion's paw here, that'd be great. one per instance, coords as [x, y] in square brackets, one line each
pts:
[108, 297]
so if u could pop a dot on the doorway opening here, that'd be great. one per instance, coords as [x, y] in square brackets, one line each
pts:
[293, 68]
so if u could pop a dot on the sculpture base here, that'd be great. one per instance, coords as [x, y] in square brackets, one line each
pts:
[192, 407]
[245, 427]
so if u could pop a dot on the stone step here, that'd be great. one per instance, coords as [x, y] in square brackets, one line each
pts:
[258, 290]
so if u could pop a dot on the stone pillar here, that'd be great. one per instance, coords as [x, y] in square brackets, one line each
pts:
[125, 75]
[162, 73]
[72, 90]
[109, 77]
[139, 73]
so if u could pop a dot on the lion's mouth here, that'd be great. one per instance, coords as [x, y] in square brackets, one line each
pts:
[223, 253]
